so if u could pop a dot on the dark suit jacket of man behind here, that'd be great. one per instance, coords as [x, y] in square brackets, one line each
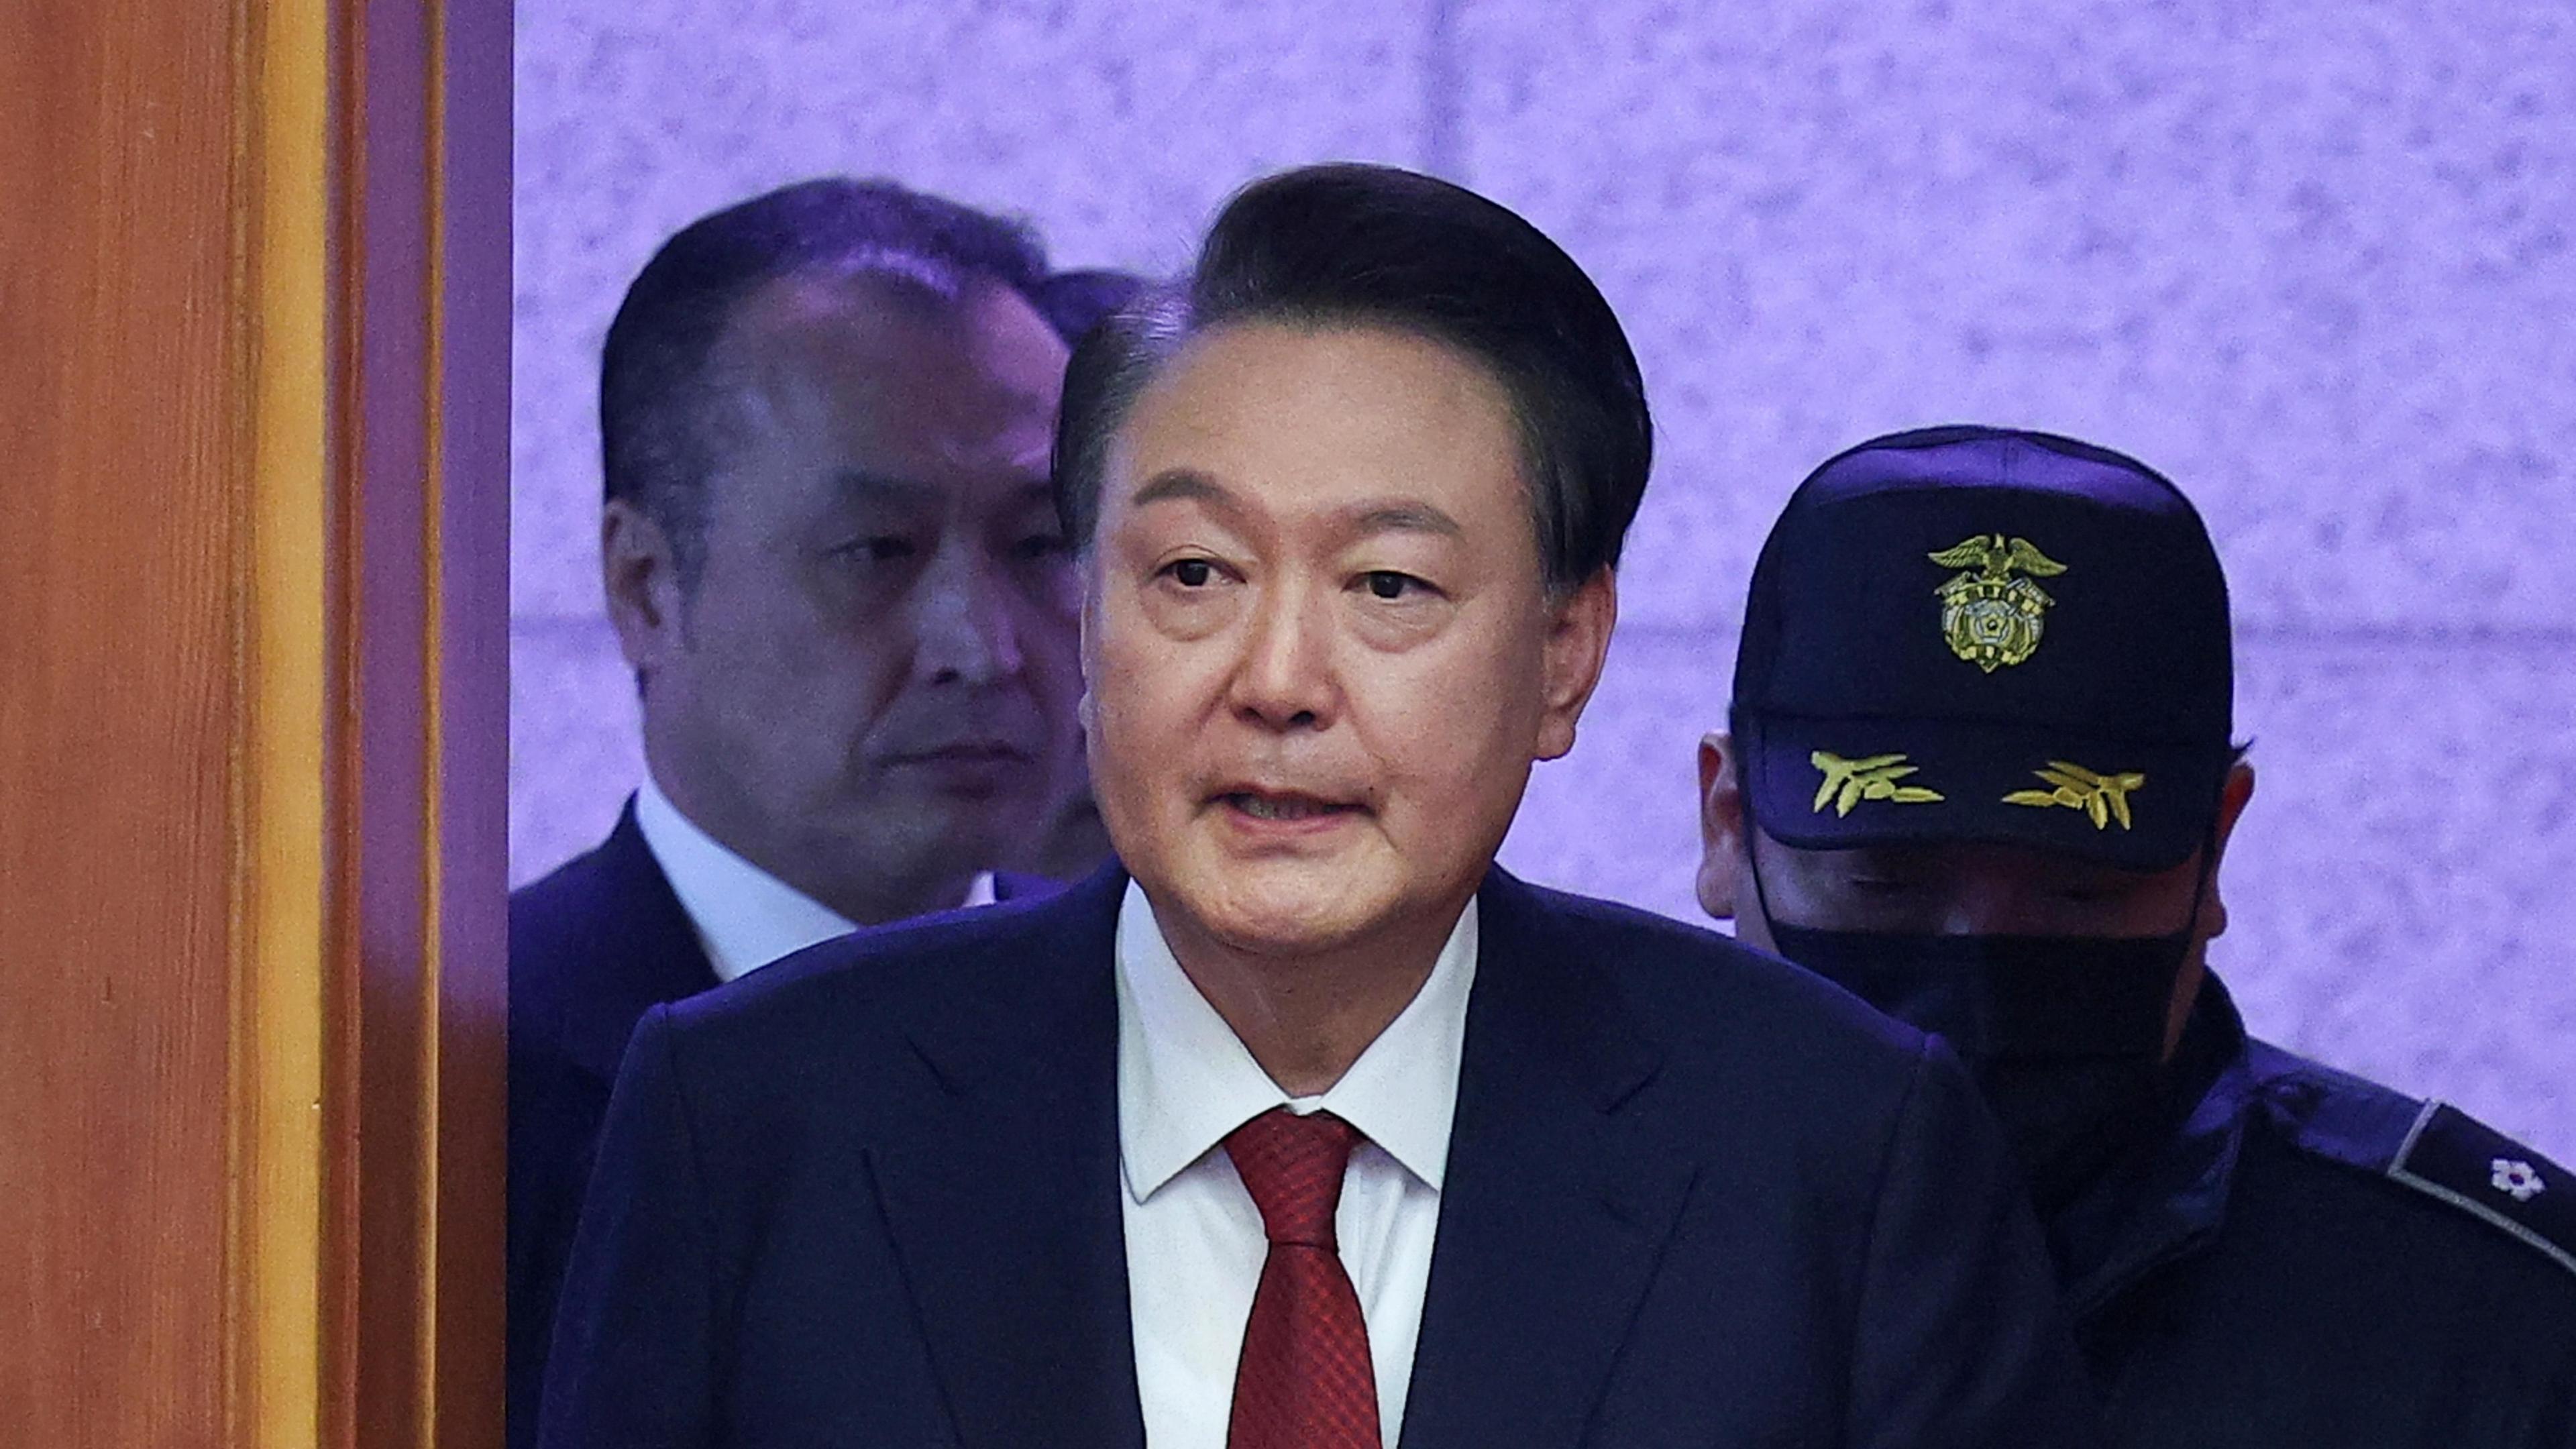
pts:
[592, 946]
[871, 1196]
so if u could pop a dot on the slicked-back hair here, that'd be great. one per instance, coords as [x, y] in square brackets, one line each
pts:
[1077, 301]
[656, 391]
[1373, 246]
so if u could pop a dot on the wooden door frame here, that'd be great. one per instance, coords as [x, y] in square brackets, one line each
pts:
[369, 1145]
[254, 499]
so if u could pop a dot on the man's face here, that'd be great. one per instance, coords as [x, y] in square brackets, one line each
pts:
[1320, 652]
[1965, 889]
[1958, 888]
[870, 688]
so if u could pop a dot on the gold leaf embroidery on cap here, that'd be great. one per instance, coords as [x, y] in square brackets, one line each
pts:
[2103, 798]
[1991, 617]
[1849, 782]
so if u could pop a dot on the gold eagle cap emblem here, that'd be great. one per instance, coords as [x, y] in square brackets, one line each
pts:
[1849, 782]
[1992, 614]
[2102, 797]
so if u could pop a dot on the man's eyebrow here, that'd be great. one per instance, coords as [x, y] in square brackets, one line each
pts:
[861, 486]
[1403, 516]
[1028, 493]
[1184, 485]
[1399, 515]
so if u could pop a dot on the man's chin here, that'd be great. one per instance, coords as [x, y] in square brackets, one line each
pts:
[998, 782]
[1289, 908]
[931, 835]
[926, 804]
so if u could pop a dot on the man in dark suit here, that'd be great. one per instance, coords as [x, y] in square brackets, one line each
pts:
[1309, 1127]
[832, 557]
[1073, 842]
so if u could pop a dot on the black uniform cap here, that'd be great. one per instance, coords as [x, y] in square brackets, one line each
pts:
[2033, 628]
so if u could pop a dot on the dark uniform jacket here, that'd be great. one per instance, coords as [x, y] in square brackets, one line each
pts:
[592, 946]
[871, 1196]
[2315, 1260]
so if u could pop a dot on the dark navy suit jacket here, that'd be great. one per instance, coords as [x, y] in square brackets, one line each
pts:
[592, 947]
[871, 1196]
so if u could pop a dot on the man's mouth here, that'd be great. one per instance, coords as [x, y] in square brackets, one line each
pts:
[1284, 806]
[963, 752]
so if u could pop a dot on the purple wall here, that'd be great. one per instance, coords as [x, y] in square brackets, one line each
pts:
[2311, 259]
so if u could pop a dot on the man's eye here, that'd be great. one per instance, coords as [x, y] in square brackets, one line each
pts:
[1041, 546]
[884, 548]
[1191, 573]
[1388, 584]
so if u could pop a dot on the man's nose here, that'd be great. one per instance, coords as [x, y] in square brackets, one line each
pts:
[1285, 680]
[965, 631]
[1978, 907]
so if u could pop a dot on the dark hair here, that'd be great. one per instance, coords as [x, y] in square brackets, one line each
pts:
[1376, 246]
[654, 386]
[1077, 301]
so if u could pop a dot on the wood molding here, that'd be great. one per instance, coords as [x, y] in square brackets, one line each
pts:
[254, 262]
[284, 891]
[424, 602]
[471, 121]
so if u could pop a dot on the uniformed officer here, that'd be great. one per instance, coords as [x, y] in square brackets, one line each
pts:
[1980, 774]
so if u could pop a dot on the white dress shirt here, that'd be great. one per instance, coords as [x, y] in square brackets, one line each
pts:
[1194, 1240]
[745, 917]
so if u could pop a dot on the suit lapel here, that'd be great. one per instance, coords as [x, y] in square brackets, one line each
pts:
[647, 954]
[1554, 1212]
[1010, 885]
[1005, 1206]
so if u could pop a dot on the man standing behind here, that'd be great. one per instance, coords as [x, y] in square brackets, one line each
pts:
[832, 558]
[1981, 774]
[1073, 843]
[1318, 1130]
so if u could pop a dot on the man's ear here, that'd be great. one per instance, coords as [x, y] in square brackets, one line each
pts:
[1086, 637]
[1721, 825]
[640, 574]
[1578, 644]
[2232, 798]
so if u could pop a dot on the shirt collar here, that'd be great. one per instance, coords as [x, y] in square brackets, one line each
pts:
[745, 917]
[1185, 1080]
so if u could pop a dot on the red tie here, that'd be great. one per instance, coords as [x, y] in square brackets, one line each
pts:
[1304, 1381]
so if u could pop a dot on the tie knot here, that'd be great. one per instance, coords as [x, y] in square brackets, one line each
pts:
[1292, 1166]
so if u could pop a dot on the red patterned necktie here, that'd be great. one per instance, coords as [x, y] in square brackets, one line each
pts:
[1304, 1381]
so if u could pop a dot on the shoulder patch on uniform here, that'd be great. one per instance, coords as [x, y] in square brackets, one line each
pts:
[2451, 1155]
[2329, 1113]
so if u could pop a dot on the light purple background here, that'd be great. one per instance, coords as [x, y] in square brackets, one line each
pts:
[2312, 259]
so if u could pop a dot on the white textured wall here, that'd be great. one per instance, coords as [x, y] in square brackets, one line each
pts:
[2311, 259]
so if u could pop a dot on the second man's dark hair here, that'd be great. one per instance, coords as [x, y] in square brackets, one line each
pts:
[654, 387]
[1356, 245]
[1079, 300]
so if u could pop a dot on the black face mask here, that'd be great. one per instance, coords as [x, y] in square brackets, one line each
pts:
[2065, 1034]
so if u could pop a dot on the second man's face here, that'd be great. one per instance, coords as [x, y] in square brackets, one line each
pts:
[1320, 652]
[1970, 889]
[1948, 888]
[877, 672]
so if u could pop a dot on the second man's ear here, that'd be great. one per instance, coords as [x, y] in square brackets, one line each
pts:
[1721, 825]
[639, 575]
[2238, 790]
